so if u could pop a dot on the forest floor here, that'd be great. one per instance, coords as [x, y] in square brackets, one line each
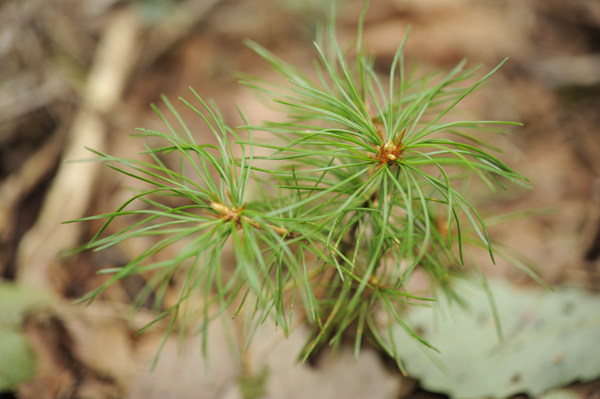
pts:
[75, 74]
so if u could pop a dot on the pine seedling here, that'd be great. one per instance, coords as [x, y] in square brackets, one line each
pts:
[328, 213]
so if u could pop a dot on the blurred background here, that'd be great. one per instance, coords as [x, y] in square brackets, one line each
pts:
[77, 73]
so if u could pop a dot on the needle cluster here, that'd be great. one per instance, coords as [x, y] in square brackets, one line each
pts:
[333, 209]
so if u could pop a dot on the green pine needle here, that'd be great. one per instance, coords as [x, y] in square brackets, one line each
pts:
[351, 194]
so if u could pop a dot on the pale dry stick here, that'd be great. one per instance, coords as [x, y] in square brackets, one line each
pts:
[71, 190]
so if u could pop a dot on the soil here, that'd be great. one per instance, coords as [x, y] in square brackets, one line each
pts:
[66, 83]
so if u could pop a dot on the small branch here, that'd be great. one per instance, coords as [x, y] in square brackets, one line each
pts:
[233, 214]
[285, 233]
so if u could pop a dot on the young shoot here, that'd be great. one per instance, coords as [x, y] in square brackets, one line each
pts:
[328, 214]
